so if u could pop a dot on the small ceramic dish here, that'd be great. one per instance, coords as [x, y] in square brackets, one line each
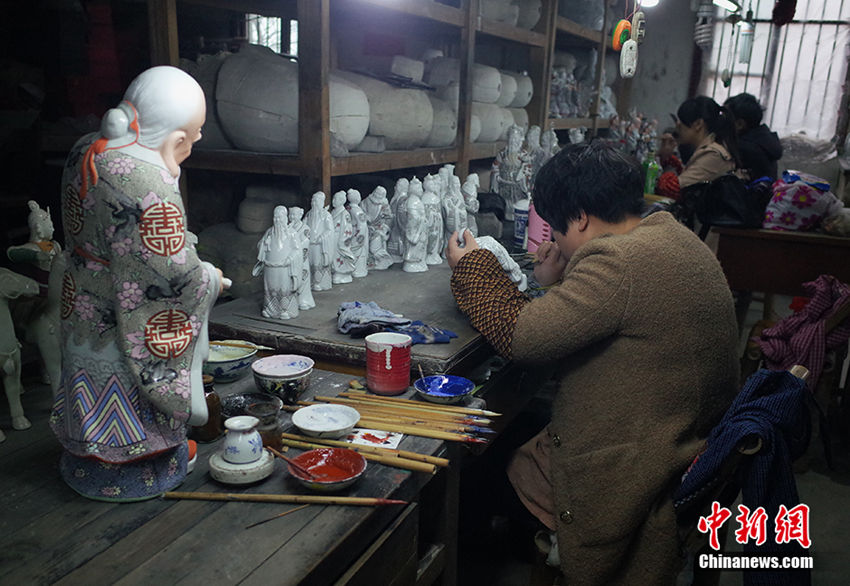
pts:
[284, 375]
[230, 473]
[228, 363]
[333, 468]
[443, 388]
[329, 421]
[238, 403]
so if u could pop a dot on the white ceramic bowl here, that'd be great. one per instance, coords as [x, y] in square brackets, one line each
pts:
[330, 421]
[286, 376]
[228, 363]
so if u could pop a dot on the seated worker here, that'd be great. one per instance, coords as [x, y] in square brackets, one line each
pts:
[758, 146]
[709, 128]
[640, 328]
[668, 156]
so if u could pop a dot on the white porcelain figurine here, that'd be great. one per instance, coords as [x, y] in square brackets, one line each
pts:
[322, 242]
[301, 234]
[510, 176]
[454, 210]
[415, 233]
[343, 258]
[509, 264]
[433, 223]
[469, 189]
[398, 207]
[360, 237]
[279, 261]
[379, 217]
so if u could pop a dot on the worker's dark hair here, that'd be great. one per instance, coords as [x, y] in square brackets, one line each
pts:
[747, 108]
[718, 120]
[593, 178]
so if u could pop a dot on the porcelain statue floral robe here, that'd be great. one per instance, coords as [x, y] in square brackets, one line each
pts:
[360, 238]
[415, 234]
[301, 233]
[510, 176]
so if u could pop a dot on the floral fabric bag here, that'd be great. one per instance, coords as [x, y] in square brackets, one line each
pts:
[800, 201]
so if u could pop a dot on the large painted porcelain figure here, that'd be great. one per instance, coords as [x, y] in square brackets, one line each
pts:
[343, 258]
[322, 242]
[415, 232]
[379, 217]
[398, 207]
[279, 260]
[38, 317]
[469, 189]
[301, 233]
[360, 239]
[135, 296]
[433, 224]
[510, 176]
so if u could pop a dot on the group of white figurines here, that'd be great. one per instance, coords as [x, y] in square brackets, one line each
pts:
[302, 253]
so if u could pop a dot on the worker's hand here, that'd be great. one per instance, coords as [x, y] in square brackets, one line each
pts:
[550, 264]
[221, 281]
[454, 252]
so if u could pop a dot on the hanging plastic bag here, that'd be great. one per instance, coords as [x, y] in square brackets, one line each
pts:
[800, 201]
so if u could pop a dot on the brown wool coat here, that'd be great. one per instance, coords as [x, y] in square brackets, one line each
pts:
[709, 161]
[642, 330]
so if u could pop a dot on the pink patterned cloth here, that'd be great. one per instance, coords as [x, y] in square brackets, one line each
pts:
[797, 205]
[801, 338]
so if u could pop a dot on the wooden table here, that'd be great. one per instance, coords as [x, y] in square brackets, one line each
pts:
[49, 534]
[418, 296]
[774, 261]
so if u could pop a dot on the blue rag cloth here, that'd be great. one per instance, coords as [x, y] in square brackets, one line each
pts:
[422, 333]
[354, 315]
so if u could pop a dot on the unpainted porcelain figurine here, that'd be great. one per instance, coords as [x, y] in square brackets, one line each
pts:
[12, 286]
[343, 259]
[379, 218]
[433, 223]
[301, 233]
[454, 210]
[322, 242]
[508, 263]
[40, 258]
[279, 260]
[415, 230]
[510, 176]
[360, 237]
[135, 296]
[398, 208]
[469, 189]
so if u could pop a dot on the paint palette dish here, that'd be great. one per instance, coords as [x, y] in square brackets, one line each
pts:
[333, 469]
[443, 388]
[327, 421]
[229, 360]
[284, 375]
[237, 404]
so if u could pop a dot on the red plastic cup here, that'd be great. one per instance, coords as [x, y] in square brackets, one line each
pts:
[388, 363]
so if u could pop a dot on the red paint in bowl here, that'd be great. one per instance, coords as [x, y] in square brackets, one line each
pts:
[335, 468]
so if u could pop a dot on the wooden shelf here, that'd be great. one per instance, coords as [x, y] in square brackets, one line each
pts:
[511, 33]
[485, 150]
[371, 162]
[279, 8]
[422, 8]
[574, 29]
[244, 162]
[565, 123]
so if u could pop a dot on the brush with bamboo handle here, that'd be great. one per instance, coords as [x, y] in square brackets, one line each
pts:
[394, 461]
[406, 454]
[406, 414]
[432, 406]
[421, 432]
[283, 498]
[435, 413]
[423, 423]
[413, 406]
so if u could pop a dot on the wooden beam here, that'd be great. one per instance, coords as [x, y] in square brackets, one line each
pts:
[314, 104]
[162, 22]
[540, 67]
[464, 109]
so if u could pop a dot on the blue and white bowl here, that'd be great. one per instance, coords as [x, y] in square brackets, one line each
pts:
[229, 363]
[443, 388]
[286, 376]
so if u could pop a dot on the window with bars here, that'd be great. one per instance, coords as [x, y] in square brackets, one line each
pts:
[797, 71]
[281, 36]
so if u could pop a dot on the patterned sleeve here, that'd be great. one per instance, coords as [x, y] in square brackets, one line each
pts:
[488, 297]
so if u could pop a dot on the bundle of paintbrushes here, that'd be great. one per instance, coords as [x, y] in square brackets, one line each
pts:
[444, 422]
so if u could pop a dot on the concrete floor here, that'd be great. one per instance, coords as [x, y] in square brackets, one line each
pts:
[827, 492]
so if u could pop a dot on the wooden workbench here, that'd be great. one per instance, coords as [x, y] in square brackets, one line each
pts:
[418, 296]
[49, 534]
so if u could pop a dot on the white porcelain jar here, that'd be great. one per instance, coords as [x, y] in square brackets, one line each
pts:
[242, 443]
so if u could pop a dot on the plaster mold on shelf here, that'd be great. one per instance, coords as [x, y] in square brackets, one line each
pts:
[404, 117]
[493, 122]
[520, 116]
[205, 71]
[524, 90]
[474, 127]
[500, 10]
[444, 128]
[257, 103]
[507, 122]
[407, 67]
[530, 12]
[509, 89]
[486, 80]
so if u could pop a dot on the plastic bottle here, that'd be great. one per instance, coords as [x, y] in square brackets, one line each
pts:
[652, 170]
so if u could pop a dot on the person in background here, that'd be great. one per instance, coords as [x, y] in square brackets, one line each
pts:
[759, 147]
[668, 155]
[628, 416]
[710, 128]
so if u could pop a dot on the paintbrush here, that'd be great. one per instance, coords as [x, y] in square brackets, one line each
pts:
[377, 450]
[282, 498]
[419, 404]
[394, 461]
[296, 465]
[283, 514]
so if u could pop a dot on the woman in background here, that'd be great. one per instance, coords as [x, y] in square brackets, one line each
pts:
[759, 146]
[710, 129]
